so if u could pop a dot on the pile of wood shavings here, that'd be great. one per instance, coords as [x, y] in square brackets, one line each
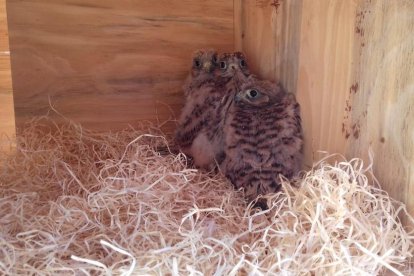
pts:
[74, 201]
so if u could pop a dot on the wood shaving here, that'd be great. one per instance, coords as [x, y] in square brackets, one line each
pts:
[73, 201]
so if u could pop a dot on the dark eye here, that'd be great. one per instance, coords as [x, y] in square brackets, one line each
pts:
[252, 93]
[243, 63]
[223, 65]
[197, 63]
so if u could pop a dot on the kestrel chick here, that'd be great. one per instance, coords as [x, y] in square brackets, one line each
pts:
[204, 62]
[233, 68]
[195, 134]
[263, 138]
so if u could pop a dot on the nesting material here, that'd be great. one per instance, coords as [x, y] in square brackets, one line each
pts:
[75, 201]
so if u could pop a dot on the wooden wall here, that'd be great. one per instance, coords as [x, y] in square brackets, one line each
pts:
[268, 32]
[109, 63]
[382, 93]
[7, 127]
[351, 65]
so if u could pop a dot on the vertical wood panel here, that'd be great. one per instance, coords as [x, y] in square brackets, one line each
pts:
[351, 66]
[7, 125]
[325, 71]
[382, 117]
[108, 63]
[356, 86]
[268, 32]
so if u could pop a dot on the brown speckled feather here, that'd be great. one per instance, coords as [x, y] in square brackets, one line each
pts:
[263, 138]
[203, 90]
[200, 130]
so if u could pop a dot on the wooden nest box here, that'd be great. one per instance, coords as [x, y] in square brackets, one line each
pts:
[107, 64]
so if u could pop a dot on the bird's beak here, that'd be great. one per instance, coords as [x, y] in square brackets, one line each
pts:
[233, 66]
[207, 66]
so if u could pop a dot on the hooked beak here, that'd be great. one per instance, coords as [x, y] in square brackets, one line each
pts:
[207, 66]
[233, 66]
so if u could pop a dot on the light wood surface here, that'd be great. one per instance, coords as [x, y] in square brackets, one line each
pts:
[356, 86]
[383, 98]
[324, 76]
[108, 63]
[268, 32]
[308, 46]
[7, 126]
[350, 64]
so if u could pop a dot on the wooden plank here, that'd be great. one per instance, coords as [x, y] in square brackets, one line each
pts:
[108, 63]
[382, 116]
[268, 32]
[325, 69]
[302, 43]
[356, 86]
[7, 126]
[350, 64]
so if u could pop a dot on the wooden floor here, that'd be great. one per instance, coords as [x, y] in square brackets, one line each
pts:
[7, 126]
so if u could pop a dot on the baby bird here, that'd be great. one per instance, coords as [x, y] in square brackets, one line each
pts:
[203, 90]
[233, 69]
[204, 63]
[231, 72]
[208, 146]
[263, 138]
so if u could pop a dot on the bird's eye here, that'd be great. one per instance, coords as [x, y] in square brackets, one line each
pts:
[223, 65]
[252, 94]
[243, 63]
[197, 63]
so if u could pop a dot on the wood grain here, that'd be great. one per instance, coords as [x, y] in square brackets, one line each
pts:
[350, 64]
[268, 32]
[108, 63]
[7, 125]
[382, 88]
[356, 86]
[325, 71]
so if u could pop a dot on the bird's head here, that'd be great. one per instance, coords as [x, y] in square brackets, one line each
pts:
[257, 93]
[233, 65]
[204, 62]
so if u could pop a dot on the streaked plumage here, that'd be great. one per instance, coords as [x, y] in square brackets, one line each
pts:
[195, 134]
[232, 69]
[263, 137]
